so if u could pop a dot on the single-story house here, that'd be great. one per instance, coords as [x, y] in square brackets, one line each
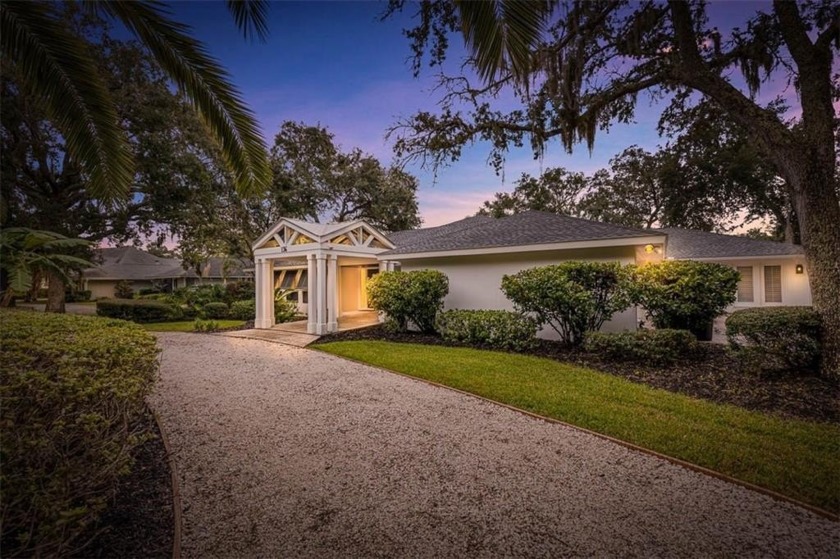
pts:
[145, 270]
[328, 265]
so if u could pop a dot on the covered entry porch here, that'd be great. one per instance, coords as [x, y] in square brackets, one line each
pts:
[327, 266]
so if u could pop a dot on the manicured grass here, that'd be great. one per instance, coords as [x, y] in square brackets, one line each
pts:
[796, 458]
[187, 325]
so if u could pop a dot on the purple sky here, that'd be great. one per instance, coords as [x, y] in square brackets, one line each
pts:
[335, 64]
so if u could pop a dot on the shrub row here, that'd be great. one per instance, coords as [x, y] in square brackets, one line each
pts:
[73, 391]
[776, 338]
[138, 310]
[493, 329]
[648, 346]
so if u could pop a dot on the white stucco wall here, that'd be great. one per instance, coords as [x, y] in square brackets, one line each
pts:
[475, 281]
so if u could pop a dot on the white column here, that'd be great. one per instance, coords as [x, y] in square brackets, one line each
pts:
[311, 286]
[321, 294]
[258, 293]
[332, 294]
[383, 265]
[268, 283]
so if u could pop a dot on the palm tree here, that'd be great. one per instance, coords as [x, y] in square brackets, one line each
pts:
[28, 253]
[55, 62]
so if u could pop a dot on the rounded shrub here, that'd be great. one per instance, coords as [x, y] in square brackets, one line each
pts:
[684, 294]
[123, 290]
[573, 297]
[493, 329]
[776, 338]
[74, 390]
[243, 310]
[647, 346]
[215, 310]
[242, 290]
[409, 297]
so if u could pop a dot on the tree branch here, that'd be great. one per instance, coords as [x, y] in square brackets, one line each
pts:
[794, 32]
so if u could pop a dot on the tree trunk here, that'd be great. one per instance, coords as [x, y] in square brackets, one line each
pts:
[818, 211]
[55, 293]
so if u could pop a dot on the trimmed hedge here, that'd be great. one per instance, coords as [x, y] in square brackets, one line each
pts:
[776, 338]
[215, 310]
[73, 390]
[77, 296]
[492, 329]
[243, 310]
[409, 297]
[650, 346]
[138, 310]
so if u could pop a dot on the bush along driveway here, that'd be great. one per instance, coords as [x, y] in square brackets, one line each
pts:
[283, 451]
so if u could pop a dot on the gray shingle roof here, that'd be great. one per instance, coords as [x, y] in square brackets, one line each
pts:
[129, 263]
[687, 243]
[527, 228]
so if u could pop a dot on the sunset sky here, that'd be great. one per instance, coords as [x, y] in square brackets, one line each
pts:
[335, 64]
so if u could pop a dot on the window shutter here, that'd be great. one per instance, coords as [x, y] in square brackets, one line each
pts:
[745, 286]
[773, 284]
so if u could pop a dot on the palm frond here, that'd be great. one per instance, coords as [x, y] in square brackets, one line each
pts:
[250, 16]
[502, 34]
[55, 65]
[205, 83]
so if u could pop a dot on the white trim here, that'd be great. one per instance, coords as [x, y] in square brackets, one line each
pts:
[757, 258]
[600, 243]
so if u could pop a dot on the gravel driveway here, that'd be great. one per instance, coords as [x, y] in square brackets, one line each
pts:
[288, 452]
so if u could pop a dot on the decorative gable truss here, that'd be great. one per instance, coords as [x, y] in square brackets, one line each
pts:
[361, 236]
[356, 235]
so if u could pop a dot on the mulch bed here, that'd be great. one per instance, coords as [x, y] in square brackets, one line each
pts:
[712, 375]
[139, 522]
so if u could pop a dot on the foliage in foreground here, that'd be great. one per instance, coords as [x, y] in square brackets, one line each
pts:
[776, 338]
[73, 389]
[492, 329]
[409, 297]
[645, 346]
[796, 458]
[684, 294]
[572, 297]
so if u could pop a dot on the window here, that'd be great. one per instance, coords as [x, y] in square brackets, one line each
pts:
[772, 284]
[745, 286]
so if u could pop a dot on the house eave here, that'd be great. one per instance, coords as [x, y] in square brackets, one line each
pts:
[599, 243]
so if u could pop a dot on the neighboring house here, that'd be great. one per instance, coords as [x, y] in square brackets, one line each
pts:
[328, 265]
[146, 271]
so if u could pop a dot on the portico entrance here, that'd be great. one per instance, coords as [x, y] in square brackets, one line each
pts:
[325, 266]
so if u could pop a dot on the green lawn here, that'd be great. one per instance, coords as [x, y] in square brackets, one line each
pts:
[797, 458]
[187, 325]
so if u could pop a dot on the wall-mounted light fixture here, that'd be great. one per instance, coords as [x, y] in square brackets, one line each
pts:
[649, 249]
[800, 269]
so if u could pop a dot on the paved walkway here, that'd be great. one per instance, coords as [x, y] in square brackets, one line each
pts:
[298, 339]
[287, 452]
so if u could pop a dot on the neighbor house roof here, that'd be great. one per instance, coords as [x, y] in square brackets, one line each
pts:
[527, 228]
[132, 264]
[690, 244]
[129, 263]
